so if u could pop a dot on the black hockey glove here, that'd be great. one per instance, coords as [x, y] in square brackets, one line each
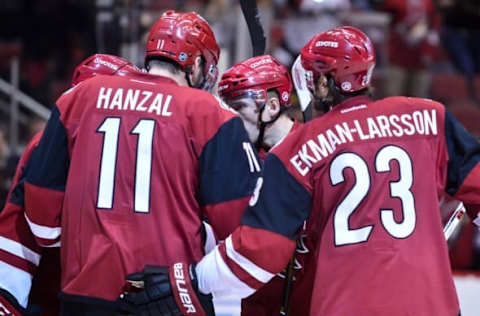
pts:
[9, 305]
[167, 291]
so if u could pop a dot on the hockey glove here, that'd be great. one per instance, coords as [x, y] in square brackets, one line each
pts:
[167, 291]
[9, 305]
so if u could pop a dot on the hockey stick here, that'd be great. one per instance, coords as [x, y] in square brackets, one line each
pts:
[287, 287]
[257, 36]
[252, 17]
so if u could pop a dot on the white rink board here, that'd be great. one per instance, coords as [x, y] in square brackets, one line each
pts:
[227, 306]
[468, 289]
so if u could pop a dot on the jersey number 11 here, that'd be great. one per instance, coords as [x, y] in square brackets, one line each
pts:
[144, 131]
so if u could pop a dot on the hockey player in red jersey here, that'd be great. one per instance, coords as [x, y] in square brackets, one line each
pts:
[259, 90]
[128, 167]
[102, 64]
[368, 176]
[21, 259]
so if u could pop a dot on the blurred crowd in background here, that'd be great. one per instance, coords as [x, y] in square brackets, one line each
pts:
[425, 48]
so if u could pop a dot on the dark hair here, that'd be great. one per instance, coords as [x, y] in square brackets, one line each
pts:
[271, 93]
[164, 63]
[336, 96]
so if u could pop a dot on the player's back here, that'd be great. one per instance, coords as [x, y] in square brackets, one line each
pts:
[133, 176]
[375, 170]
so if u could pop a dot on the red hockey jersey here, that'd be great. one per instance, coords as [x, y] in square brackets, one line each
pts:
[125, 172]
[269, 299]
[19, 253]
[368, 176]
[21, 259]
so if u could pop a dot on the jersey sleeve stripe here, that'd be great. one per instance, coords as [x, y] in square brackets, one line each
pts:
[254, 270]
[214, 273]
[19, 250]
[18, 262]
[222, 224]
[15, 281]
[55, 245]
[269, 250]
[239, 272]
[44, 232]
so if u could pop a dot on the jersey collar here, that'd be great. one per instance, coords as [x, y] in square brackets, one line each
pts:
[144, 76]
[358, 100]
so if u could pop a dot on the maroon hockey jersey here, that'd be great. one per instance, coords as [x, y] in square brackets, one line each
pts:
[367, 176]
[21, 259]
[269, 299]
[125, 172]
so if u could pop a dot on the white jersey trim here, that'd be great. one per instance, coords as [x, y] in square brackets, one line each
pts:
[55, 245]
[19, 250]
[44, 232]
[210, 240]
[215, 277]
[255, 271]
[16, 281]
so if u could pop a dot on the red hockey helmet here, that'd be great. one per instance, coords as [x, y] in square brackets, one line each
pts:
[254, 77]
[102, 64]
[345, 53]
[182, 37]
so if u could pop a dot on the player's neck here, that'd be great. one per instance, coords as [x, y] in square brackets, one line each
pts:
[278, 130]
[178, 77]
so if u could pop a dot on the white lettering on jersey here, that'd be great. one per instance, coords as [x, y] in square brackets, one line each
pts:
[256, 192]
[358, 129]
[131, 99]
[420, 122]
[134, 100]
[298, 165]
[117, 100]
[103, 97]
[146, 96]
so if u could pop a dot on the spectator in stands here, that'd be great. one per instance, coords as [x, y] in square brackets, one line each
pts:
[413, 39]
[306, 18]
[461, 38]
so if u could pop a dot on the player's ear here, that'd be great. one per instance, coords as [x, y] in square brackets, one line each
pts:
[273, 106]
[196, 70]
[198, 62]
[321, 86]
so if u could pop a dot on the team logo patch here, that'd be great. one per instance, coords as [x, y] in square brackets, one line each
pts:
[285, 96]
[346, 86]
[182, 56]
